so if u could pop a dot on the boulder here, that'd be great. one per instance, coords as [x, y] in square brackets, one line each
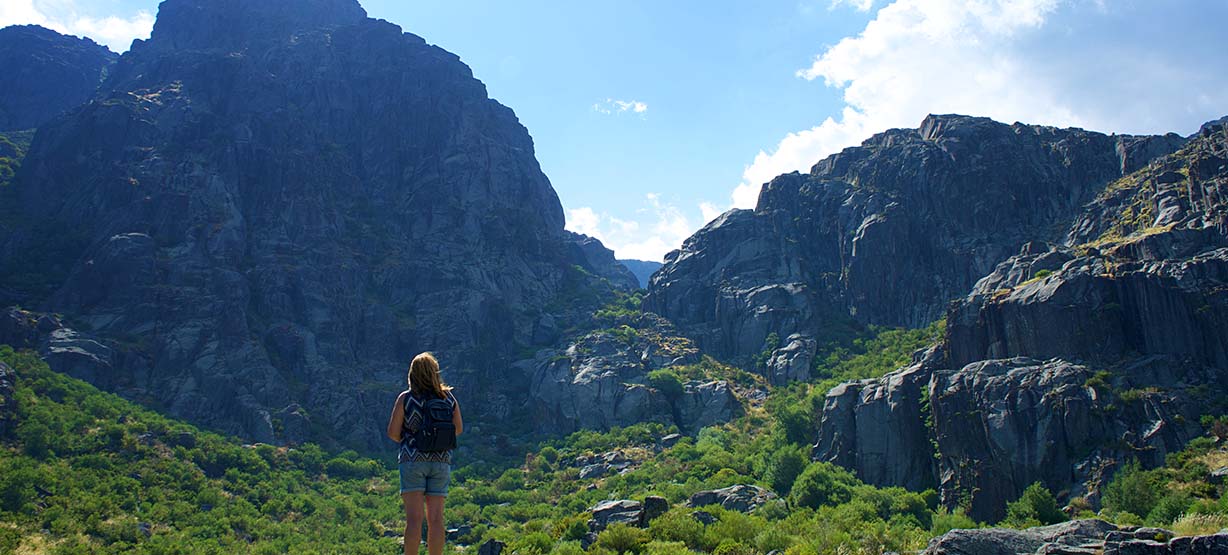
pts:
[622, 511]
[742, 497]
[654, 506]
[1078, 534]
[492, 547]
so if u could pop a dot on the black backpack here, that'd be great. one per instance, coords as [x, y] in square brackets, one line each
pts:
[436, 433]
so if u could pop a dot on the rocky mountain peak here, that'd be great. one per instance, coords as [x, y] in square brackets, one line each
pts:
[44, 73]
[233, 24]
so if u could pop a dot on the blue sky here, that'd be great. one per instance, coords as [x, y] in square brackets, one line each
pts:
[652, 117]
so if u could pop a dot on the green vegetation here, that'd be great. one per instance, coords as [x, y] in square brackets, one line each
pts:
[13, 147]
[879, 351]
[86, 471]
[1036, 507]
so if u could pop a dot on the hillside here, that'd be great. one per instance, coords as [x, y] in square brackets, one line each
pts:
[84, 470]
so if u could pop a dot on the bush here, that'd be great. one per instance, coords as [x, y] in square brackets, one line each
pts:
[1131, 490]
[784, 466]
[666, 381]
[620, 538]
[677, 526]
[822, 484]
[944, 522]
[1169, 508]
[1035, 507]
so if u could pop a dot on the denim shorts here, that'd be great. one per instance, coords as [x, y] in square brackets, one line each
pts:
[429, 477]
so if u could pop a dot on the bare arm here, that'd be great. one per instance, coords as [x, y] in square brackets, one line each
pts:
[397, 420]
[456, 418]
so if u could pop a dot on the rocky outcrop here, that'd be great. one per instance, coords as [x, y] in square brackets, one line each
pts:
[1067, 359]
[741, 497]
[596, 258]
[886, 233]
[878, 427]
[600, 380]
[276, 204]
[643, 269]
[1023, 421]
[1080, 537]
[44, 74]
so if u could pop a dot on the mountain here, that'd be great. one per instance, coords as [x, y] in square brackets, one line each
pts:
[271, 206]
[1080, 277]
[643, 269]
[44, 74]
[883, 234]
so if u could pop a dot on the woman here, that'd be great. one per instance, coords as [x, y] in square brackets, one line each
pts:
[424, 474]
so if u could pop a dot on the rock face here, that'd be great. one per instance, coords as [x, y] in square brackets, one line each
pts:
[643, 269]
[886, 233]
[44, 74]
[596, 258]
[601, 380]
[277, 203]
[1080, 537]
[740, 497]
[1067, 359]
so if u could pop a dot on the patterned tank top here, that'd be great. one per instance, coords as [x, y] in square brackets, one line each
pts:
[413, 420]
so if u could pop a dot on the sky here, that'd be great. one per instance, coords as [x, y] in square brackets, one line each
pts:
[653, 117]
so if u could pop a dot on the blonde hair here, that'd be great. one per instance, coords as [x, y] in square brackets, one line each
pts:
[424, 376]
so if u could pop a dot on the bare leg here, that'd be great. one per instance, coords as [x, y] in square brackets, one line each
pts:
[413, 521]
[435, 534]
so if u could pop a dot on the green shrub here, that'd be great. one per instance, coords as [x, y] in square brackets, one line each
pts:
[1169, 508]
[677, 526]
[784, 466]
[1035, 507]
[620, 538]
[1132, 490]
[822, 484]
[666, 381]
[944, 522]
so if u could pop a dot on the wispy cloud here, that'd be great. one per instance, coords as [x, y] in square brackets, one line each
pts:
[616, 106]
[113, 31]
[658, 227]
[1012, 60]
[859, 5]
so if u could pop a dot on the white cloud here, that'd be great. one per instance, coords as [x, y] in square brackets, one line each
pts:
[115, 32]
[710, 211]
[615, 106]
[660, 227]
[994, 58]
[859, 5]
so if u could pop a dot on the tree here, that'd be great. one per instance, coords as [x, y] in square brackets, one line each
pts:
[822, 484]
[1130, 491]
[1035, 507]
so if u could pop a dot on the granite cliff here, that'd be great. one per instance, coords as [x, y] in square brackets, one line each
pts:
[1069, 358]
[270, 206]
[886, 233]
[44, 74]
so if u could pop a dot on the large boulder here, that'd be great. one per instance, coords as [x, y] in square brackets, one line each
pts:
[1079, 537]
[739, 497]
[621, 511]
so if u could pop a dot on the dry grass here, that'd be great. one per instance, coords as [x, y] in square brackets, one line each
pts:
[1200, 525]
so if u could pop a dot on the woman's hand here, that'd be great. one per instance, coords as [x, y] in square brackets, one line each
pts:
[397, 420]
